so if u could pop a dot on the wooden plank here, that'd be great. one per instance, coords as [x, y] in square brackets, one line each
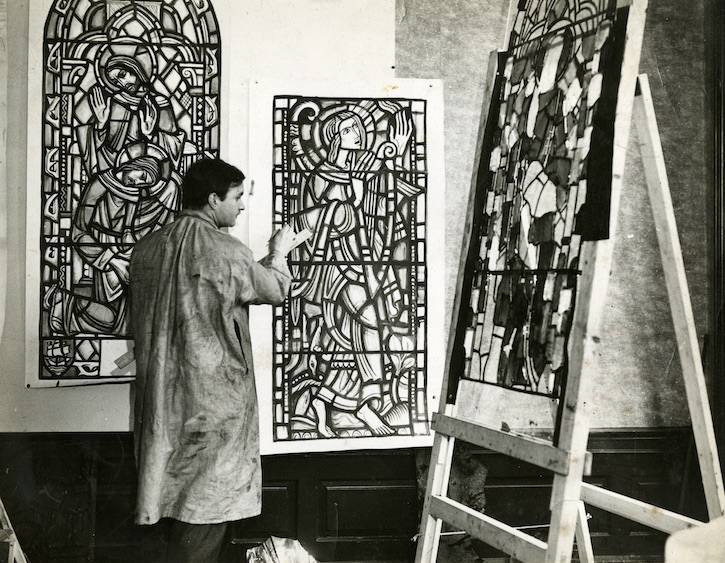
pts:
[496, 534]
[438, 476]
[450, 381]
[583, 537]
[679, 296]
[636, 510]
[595, 262]
[15, 553]
[442, 451]
[528, 449]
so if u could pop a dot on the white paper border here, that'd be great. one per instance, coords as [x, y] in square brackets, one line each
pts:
[261, 94]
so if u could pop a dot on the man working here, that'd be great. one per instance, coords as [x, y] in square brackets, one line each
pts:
[196, 427]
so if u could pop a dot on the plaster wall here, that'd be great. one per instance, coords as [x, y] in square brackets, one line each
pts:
[638, 376]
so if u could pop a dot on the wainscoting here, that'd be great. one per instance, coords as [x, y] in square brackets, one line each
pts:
[71, 497]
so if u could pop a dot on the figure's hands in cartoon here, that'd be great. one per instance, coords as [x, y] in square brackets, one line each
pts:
[120, 267]
[99, 105]
[400, 127]
[399, 133]
[149, 116]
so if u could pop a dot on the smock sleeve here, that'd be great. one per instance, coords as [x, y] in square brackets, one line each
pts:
[268, 280]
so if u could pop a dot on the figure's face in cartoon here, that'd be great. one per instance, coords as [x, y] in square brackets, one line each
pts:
[124, 78]
[350, 135]
[135, 177]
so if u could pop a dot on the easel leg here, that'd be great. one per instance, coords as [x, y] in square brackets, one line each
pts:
[679, 296]
[439, 473]
[583, 538]
[15, 552]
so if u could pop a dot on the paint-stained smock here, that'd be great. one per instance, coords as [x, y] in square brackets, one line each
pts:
[196, 426]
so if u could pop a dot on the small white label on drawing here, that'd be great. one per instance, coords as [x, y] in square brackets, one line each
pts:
[123, 361]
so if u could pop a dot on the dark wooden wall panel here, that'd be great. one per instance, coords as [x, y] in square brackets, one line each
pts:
[277, 518]
[71, 497]
[350, 505]
[377, 509]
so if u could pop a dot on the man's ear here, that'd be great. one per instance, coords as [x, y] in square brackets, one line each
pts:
[213, 200]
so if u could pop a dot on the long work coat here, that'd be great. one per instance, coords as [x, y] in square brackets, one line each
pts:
[196, 426]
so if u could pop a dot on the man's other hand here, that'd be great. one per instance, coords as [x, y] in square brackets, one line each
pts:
[282, 241]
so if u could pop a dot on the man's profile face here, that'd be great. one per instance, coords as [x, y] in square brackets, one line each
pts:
[229, 208]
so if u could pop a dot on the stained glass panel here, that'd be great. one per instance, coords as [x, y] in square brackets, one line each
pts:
[543, 189]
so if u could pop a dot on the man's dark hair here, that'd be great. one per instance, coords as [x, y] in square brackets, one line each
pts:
[207, 176]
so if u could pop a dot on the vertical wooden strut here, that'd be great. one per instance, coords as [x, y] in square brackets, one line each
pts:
[679, 297]
[7, 535]
[438, 475]
[443, 446]
[596, 266]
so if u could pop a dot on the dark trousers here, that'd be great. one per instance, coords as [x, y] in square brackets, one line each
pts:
[195, 543]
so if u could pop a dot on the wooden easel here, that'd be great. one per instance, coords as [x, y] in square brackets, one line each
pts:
[7, 536]
[568, 460]
[684, 324]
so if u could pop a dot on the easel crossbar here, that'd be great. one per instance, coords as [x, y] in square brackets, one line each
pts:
[525, 448]
[635, 510]
[496, 534]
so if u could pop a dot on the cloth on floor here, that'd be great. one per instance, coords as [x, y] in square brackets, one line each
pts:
[279, 550]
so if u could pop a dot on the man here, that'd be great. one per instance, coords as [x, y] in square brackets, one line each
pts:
[196, 425]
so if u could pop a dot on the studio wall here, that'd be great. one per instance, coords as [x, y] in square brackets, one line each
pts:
[638, 380]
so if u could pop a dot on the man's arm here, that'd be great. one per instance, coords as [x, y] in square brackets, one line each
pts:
[270, 277]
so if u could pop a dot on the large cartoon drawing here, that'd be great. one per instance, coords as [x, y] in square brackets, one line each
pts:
[355, 319]
[131, 90]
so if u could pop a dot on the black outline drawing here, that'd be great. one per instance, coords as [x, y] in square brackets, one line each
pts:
[131, 94]
[350, 357]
